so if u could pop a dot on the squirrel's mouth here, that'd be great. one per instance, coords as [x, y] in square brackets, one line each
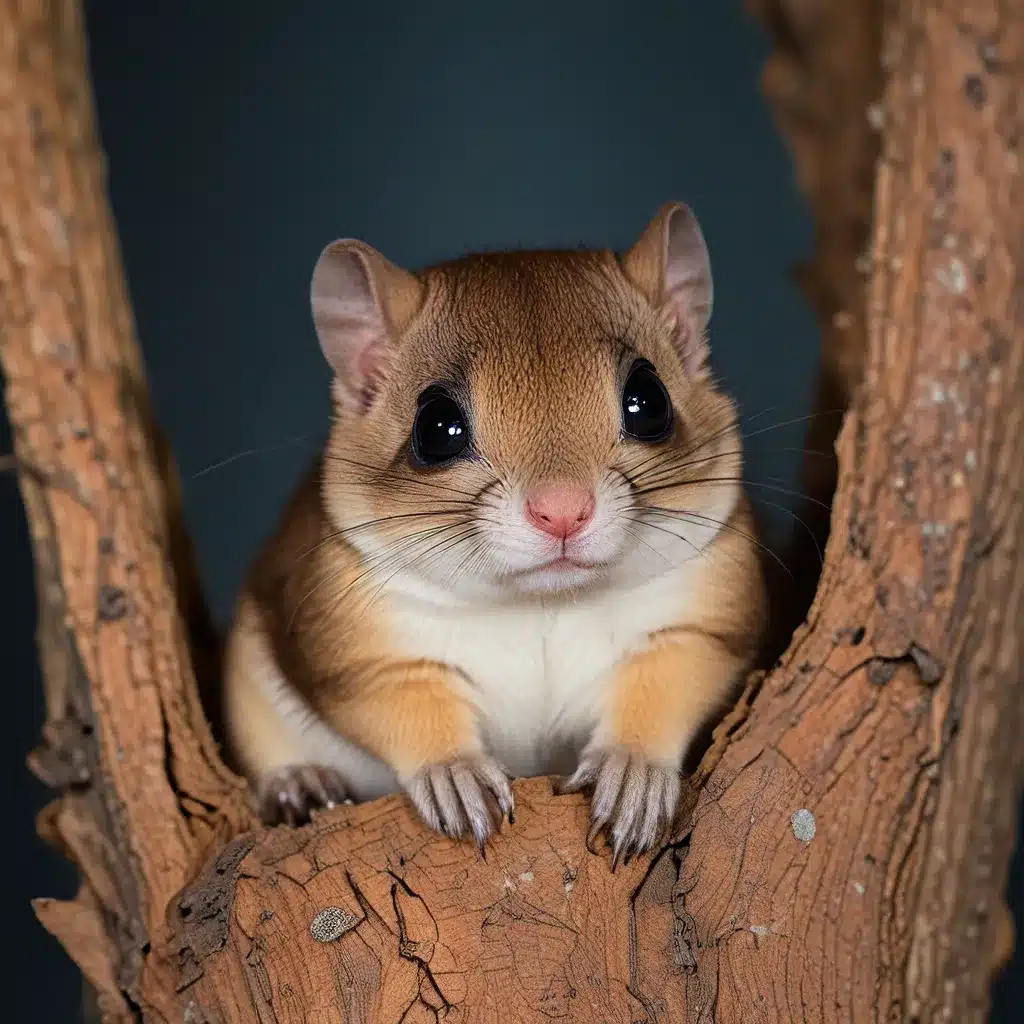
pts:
[566, 564]
[572, 570]
[561, 564]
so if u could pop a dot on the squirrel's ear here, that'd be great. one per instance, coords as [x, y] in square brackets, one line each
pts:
[671, 266]
[361, 304]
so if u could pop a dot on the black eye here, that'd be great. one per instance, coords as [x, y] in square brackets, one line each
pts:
[646, 407]
[439, 432]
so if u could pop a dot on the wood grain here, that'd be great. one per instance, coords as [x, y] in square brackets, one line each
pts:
[895, 716]
[144, 793]
[844, 847]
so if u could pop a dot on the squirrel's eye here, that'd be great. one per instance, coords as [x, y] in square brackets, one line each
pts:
[646, 407]
[440, 431]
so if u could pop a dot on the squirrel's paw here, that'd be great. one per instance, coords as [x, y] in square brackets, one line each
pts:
[290, 794]
[465, 796]
[633, 796]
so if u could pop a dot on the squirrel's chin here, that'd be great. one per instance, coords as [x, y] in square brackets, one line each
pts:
[557, 577]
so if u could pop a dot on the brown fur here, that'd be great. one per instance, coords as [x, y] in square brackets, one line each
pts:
[536, 345]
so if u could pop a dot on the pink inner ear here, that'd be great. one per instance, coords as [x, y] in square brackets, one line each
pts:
[688, 288]
[354, 342]
[350, 323]
[370, 368]
[690, 338]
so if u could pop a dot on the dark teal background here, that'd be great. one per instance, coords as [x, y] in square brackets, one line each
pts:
[240, 145]
[242, 137]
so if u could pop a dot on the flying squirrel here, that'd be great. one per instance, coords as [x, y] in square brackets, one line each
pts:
[525, 550]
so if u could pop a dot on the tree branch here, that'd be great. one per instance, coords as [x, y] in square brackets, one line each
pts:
[144, 793]
[845, 843]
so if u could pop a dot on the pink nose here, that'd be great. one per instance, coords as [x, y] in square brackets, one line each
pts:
[560, 511]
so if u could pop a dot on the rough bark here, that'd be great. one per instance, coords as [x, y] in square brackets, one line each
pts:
[851, 826]
[143, 793]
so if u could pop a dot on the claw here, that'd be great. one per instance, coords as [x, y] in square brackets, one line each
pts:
[506, 802]
[633, 798]
[615, 858]
[573, 784]
[453, 819]
[622, 848]
[481, 835]
[503, 795]
[595, 830]
[291, 794]
[463, 797]
[585, 774]
[629, 851]
[423, 800]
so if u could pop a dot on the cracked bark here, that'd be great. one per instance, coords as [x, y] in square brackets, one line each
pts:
[143, 793]
[845, 847]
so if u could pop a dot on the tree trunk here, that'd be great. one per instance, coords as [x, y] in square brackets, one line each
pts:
[143, 792]
[845, 847]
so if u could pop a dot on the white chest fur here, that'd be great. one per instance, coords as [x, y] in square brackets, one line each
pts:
[541, 674]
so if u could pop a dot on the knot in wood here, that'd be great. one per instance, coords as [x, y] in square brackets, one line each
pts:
[113, 603]
[331, 923]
